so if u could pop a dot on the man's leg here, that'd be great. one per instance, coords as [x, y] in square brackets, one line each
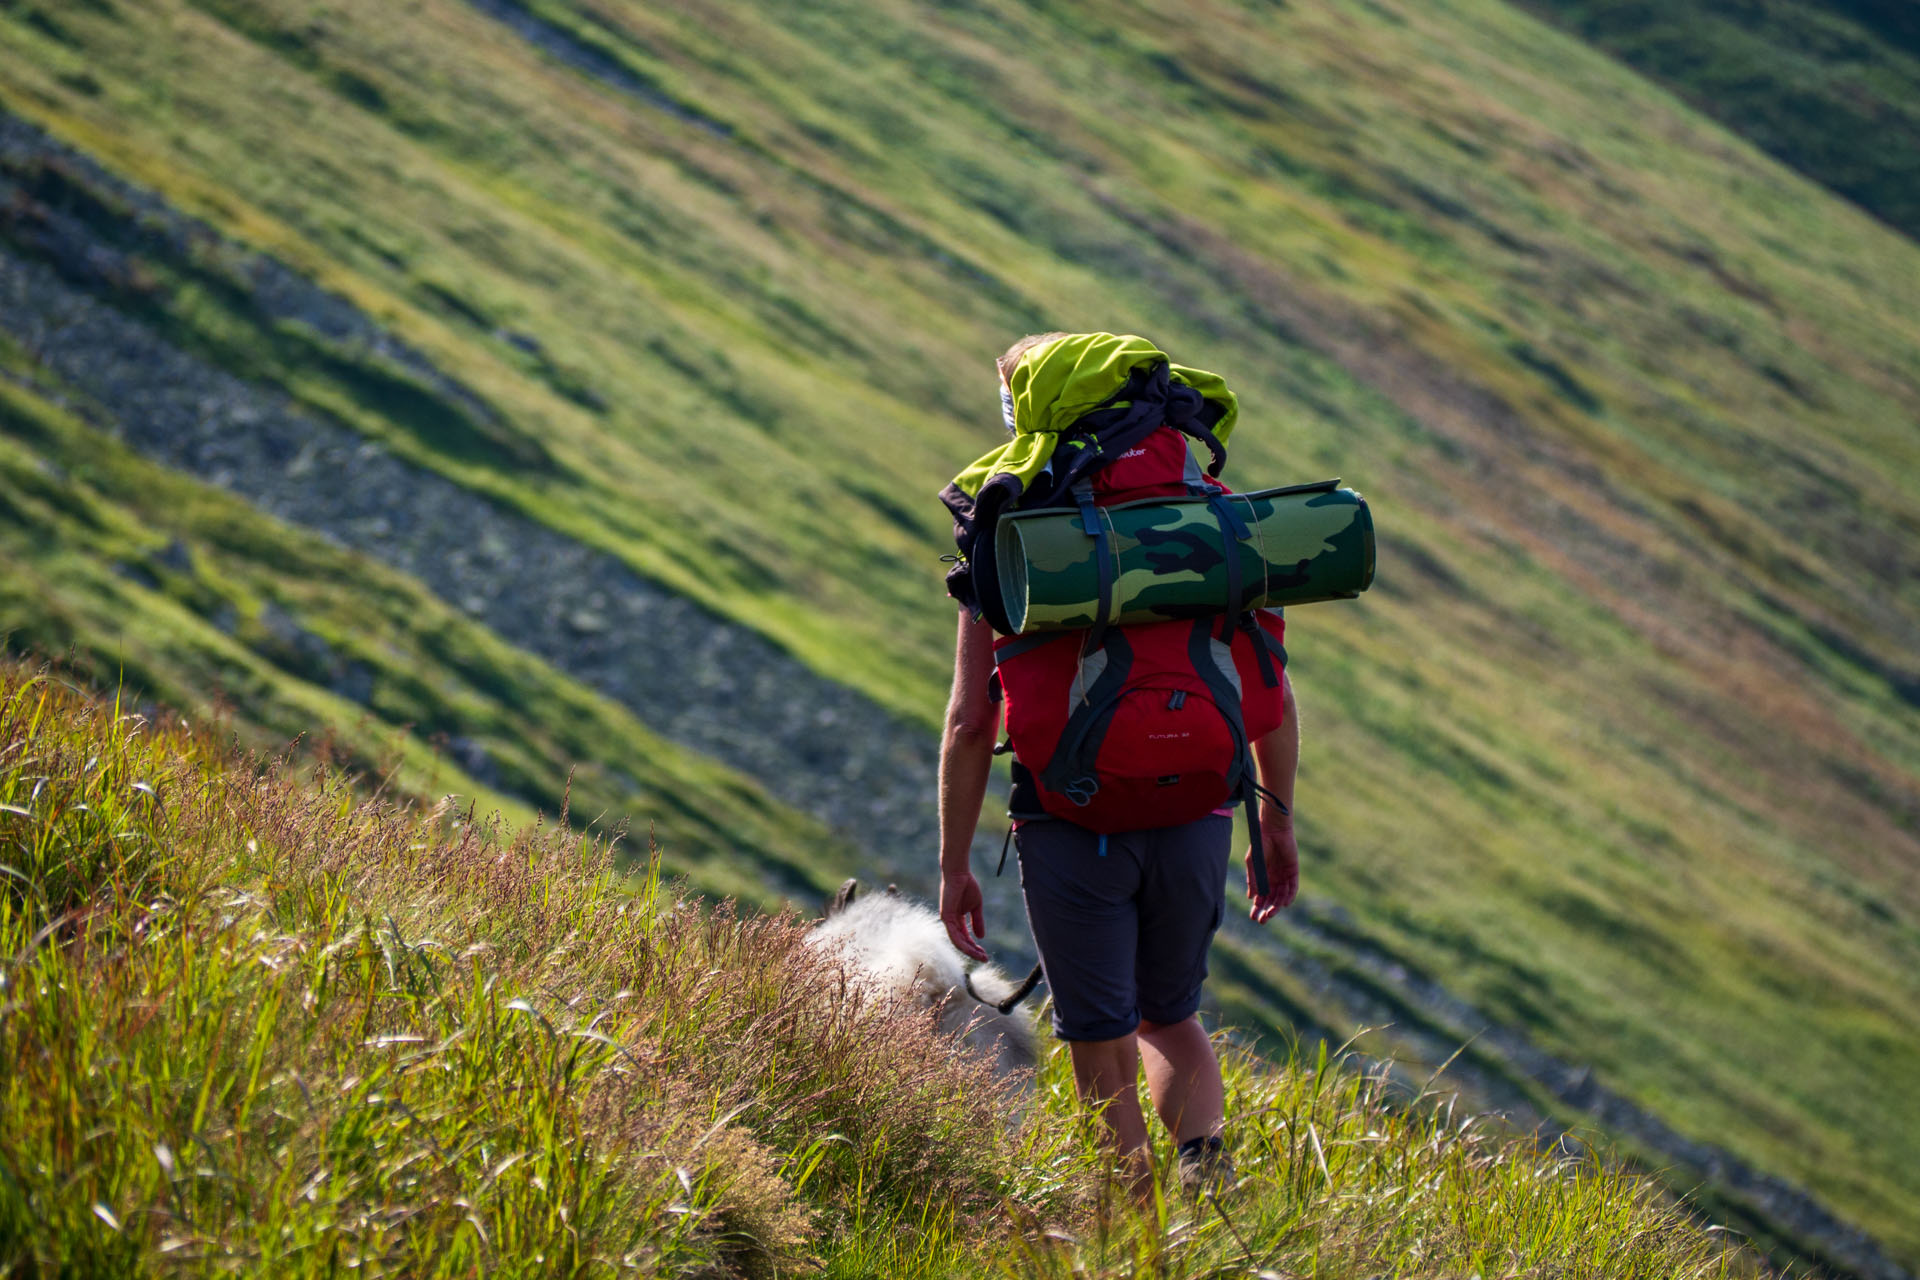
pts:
[1183, 1078]
[1080, 889]
[1182, 901]
[1106, 1075]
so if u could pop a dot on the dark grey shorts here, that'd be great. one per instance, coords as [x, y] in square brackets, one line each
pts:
[1123, 927]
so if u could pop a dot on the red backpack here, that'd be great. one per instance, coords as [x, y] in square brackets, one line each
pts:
[1150, 724]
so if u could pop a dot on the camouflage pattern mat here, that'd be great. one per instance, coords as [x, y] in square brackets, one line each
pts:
[1303, 544]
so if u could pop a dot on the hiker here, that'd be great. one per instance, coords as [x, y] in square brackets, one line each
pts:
[1122, 920]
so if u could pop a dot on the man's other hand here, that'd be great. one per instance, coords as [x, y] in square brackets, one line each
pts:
[1283, 867]
[961, 905]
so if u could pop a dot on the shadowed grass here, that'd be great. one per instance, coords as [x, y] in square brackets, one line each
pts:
[1831, 87]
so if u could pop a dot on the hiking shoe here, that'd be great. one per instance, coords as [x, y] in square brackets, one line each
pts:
[1206, 1168]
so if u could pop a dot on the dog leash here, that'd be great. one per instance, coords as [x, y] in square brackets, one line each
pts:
[1006, 1006]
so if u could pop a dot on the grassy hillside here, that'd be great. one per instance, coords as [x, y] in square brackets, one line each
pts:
[1622, 748]
[142, 579]
[1831, 87]
[256, 1026]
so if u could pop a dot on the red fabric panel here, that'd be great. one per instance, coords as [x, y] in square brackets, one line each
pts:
[1154, 468]
[1148, 741]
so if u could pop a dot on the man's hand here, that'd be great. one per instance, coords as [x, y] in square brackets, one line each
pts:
[1283, 866]
[961, 905]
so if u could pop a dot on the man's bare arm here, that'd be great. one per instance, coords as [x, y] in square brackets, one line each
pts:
[1276, 758]
[966, 760]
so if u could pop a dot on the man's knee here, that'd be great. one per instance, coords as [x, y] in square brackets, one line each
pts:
[1116, 1049]
[1185, 1043]
[1106, 1065]
[1148, 1027]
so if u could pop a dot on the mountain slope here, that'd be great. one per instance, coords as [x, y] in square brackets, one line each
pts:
[1622, 747]
[136, 577]
[1831, 87]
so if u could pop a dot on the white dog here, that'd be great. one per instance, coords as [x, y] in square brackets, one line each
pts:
[890, 945]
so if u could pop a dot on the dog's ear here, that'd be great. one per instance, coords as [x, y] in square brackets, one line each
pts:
[843, 897]
[893, 891]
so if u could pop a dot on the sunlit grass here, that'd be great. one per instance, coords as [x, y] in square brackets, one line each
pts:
[256, 1023]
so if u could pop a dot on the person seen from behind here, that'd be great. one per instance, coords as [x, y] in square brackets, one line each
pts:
[1123, 917]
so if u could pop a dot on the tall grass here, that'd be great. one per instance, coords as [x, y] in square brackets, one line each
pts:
[256, 1022]
[252, 1021]
[1346, 1179]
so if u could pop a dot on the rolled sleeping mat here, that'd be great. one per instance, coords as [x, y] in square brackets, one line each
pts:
[1296, 545]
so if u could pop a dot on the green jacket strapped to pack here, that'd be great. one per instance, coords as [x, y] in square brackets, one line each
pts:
[1076, 403]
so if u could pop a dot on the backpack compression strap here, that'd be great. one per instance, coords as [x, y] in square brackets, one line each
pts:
[1233, 531]
[1265, 648]
[1253, 793]
[1226, 696]
[1104, 560]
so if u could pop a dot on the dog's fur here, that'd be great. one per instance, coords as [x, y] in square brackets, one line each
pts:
[891, 946]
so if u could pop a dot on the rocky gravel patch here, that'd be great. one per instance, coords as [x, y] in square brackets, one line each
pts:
[691, 676]
[695, 678]
[96, 226]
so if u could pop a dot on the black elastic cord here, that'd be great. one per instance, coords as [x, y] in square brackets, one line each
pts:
[1007, 844]
[1272, 799]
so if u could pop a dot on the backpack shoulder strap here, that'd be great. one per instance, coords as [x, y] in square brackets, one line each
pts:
[1101, 680]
